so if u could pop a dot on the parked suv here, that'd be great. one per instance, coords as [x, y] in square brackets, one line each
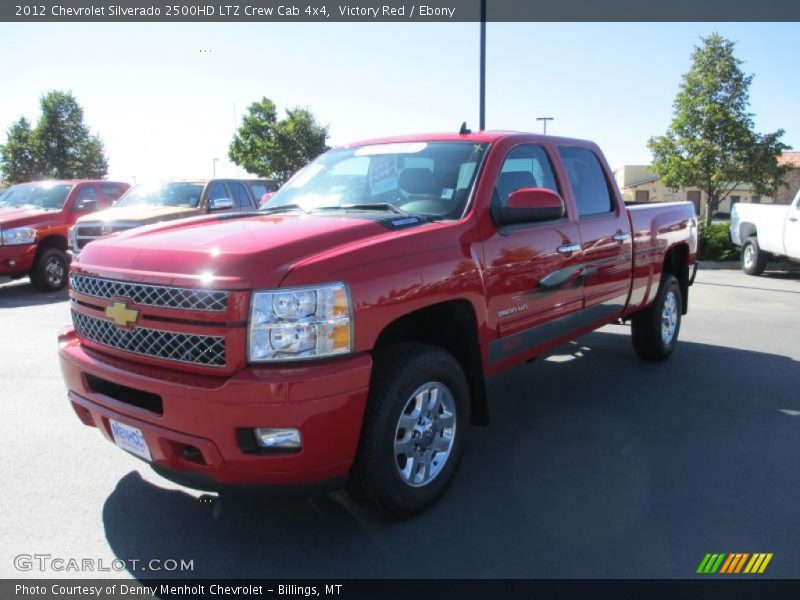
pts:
[146, 203]
[34, 220]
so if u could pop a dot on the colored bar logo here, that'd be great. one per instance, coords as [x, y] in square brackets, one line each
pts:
[734, 562]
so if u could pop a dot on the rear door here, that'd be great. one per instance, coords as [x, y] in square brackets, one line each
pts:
[604, 232]
[532, 270]
[791, 232]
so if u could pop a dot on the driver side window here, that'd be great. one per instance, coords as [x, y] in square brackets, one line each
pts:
[525, 166]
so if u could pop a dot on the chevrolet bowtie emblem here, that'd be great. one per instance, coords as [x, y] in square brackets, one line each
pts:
[121, 314]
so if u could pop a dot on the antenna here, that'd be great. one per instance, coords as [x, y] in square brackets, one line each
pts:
[464, 129]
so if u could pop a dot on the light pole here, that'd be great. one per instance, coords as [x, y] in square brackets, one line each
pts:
[482, 93]
[214, 168]
[544, 120]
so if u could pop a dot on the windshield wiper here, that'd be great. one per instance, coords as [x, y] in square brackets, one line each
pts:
[282, 208]
[383, 206]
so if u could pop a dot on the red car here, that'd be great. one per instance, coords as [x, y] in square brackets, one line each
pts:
[344, 332]
[34, 223]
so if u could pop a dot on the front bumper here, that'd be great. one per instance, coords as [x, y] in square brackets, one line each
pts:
[17, 260]
[325, 401]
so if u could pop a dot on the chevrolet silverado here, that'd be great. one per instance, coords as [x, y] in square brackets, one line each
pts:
[342, 334]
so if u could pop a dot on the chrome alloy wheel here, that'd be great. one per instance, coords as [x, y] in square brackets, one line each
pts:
[749, 256]
[425, 433]
[669, 318]
[54, 271]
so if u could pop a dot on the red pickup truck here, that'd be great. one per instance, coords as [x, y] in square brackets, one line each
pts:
[34, 224]
[344, 332]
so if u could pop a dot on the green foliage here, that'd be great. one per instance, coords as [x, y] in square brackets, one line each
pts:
[60, 146]
[18, 155]
[711, 142]
[714, 243]
[274, 148]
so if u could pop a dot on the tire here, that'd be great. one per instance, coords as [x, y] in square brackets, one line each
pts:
[386, 475]
[49, 273]
[754, 260]
[655, 329]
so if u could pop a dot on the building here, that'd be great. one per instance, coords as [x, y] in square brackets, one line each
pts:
[786, 194]
[639, 184]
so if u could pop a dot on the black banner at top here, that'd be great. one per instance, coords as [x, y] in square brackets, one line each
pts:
[396, 10]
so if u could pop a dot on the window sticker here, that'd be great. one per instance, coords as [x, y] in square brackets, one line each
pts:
[400, 148]
[447, 194]
[382, 175]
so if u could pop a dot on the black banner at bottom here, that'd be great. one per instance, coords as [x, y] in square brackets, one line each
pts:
[380, 589]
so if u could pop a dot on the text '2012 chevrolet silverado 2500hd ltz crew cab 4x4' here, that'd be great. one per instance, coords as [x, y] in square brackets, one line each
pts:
[343, 333]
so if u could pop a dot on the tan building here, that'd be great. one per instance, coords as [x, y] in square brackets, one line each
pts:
[638, 183]
[786, 193]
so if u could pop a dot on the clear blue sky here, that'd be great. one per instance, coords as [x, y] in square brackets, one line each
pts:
[164, 109]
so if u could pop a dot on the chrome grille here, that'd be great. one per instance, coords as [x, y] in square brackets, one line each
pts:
[151, 295]
[207, 350]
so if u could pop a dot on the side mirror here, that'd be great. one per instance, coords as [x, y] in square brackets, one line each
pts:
[220, 204]
[529, 205]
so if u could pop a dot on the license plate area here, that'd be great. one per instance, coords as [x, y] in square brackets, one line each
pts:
[130, 439]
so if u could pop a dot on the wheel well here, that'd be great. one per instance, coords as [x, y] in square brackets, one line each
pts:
[451, 326]
[676, 262]
[746, 230]
[51, 241]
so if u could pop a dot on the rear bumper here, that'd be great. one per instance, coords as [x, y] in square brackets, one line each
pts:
[17, 260]
[325, 401]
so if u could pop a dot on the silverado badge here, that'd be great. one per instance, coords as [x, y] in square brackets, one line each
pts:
[121, 314]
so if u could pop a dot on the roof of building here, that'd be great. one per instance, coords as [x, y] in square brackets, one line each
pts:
[641, 181]
[789, 158]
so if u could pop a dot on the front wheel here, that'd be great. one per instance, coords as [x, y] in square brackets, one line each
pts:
[655, 329]
[414, 432]
[49, 272]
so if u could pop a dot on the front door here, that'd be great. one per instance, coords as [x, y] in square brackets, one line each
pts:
[532, 270]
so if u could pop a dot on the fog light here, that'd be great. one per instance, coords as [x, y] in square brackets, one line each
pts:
[267, 437]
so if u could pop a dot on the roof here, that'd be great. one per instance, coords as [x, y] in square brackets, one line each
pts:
[454, 136]
[789, 158]
[641, 181]
[68, 181]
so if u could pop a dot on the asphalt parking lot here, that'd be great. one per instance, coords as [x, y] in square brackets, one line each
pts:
[596, 464]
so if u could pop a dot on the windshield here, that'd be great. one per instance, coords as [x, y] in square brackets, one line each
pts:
[164, 194]
[423, 178]
[45, 196]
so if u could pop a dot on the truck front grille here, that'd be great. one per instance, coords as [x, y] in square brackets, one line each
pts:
[151, 295]
[206, 350]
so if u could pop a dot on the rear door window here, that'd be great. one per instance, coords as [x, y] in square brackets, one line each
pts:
[240, 197]
[111, 192]
[589, 186]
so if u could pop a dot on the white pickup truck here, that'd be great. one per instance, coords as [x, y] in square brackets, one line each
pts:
[764, 231]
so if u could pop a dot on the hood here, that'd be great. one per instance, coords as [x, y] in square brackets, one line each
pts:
[143, 214]
[241, 252]
[19, 217]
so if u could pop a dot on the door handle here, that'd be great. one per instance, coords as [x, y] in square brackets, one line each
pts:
[793, 219]
[621, 236]
[569, 248]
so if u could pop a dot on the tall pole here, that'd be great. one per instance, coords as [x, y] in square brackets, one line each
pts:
[544, 120]
[483, 68]
[214, 168]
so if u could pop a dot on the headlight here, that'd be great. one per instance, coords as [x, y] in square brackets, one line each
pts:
[291, 324]
[19, 235]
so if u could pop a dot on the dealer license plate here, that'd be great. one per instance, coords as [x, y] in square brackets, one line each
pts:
[130, 439]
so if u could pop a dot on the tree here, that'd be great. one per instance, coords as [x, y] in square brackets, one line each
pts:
[65, 148]
[274, 148]
[711, 143]
[18, 154]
